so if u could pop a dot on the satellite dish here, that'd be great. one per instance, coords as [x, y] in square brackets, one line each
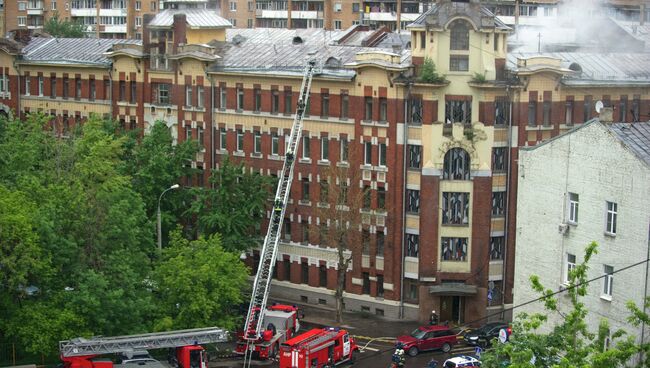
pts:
[599, 106]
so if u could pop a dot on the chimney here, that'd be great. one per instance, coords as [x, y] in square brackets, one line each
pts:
[606, 115]
[180, 30]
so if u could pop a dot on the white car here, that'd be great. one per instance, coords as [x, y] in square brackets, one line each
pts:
[464, 361]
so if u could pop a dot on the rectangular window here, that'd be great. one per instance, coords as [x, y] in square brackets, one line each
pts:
[240, 98]
[380, 287]
[343, 193]
[287, 269]
[570, 266]
[546, 117]
[108, 90]
[288, 106]
[40, 85]
[612, 213]
[459, 63]
[608, 280]
[496, 248]
[275, 144]
[133, 92]
[324, 191]
[233, 6]
[498, 203]
[367, 153]
[499, 159]
[223, 97]
[258, 142]
[249, 23]
[381, 198]
[365, 288]
[138, 5]
[573, 208]
[188, 96]
[423, 40]
[344, 149]
[22, 21]
[345, 103]
[77, 88]
[305, 189]
[28, 80]
[568, 113]
[324, 148]
[636, 103]
[275, 101]
[416, 110]
[258, 99]
[412, 201]
[337, 24]
[122, 91]
[53, 87]
[53, 4]
[455, 208]
[200, 97]
[587, 107]
[382, 154]
[153, 5]
[368, 109]
[306, 151]
[532, 113]
[458, 111]
[240, 140]
[66, 87]
[415, 156]
[188, 133]
[223, 134]
[325, 105]
[304, 270]
[322, 276]
[381, 239]
[412, 245]
[622, 109]
[501, 110]
[200, 135]
[383, 109]
[163, 94]
[365, 242]
[138, 21]
[367, 198]
[92, 93]
[454, 249]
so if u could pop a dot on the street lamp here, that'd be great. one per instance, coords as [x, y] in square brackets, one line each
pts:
[159, 227]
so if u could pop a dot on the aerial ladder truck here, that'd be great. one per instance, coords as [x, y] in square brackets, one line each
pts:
[188, 352]
[253, 338]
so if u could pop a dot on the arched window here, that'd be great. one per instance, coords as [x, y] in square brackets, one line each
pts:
[456, 165]
[459, 35]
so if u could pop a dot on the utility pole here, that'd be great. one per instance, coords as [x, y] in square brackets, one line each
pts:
[539, 42]
[516, 18]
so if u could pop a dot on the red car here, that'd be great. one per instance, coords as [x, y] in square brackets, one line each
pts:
[428, 338]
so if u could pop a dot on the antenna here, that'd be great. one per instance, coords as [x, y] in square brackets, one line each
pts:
[599, 106]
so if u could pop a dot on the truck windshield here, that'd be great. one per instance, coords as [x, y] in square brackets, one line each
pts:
[418, 334]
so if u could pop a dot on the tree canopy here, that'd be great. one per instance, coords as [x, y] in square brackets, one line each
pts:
[64, 28]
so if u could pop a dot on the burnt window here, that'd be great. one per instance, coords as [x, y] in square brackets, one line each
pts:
[498, 203]
[412, 245]
[459, 35]
[496, 248]
[456, 165]
[322, 276]
[499, 159]
[287, 269]
[381, 240]
[381, 198]
[380, 286]
[412, 201]
[454, 249]
[501, 111]
[455, 208]
[415, 156]
[416, 110]
[458, 111]
[366, 283]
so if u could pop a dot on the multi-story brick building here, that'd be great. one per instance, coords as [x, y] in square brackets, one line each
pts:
[437, 157]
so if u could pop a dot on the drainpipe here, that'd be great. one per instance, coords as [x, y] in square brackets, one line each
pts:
[110, 87]
[18, 107]
[212, 125]
[645, 295]
[403, 230]
[504, 272]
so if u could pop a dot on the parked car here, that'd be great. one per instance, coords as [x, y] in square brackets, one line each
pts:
[483, 335]
[428, 338]
[464, 361]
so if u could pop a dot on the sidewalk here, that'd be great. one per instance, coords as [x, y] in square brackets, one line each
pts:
[358, 323]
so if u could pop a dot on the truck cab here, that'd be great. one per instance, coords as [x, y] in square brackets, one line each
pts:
[280, 323]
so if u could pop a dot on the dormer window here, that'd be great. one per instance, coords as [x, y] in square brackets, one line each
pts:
[459, 35]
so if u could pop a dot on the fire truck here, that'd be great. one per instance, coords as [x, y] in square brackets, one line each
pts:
[320, 347]
[187, 351]
[281, 323]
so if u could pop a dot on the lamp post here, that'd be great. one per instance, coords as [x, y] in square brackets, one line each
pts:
[159, 226]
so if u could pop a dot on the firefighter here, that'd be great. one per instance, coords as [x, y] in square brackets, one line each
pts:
[277, 206]
[398, 357]
[433, 318]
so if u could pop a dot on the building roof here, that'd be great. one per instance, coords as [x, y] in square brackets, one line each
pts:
[285, 52]
[595, 68]
[640, 32]
[196, 18]
[79, 51]
[439, 14]
[636, 136]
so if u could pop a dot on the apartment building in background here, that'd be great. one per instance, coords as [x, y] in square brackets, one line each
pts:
[437, 159]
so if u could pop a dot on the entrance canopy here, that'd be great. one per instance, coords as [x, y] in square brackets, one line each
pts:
[453, 288]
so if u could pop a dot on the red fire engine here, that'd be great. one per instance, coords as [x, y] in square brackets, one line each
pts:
[318, 348]
[281, 323]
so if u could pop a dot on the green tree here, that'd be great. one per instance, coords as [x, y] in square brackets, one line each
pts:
[428, 73]
[64, 28]
[198, 284]
[569, 344]
[233, 207]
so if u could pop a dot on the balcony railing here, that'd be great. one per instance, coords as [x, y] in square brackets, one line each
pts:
[161, 63]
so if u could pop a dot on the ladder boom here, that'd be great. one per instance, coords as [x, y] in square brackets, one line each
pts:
[257, 307]
[103, 345]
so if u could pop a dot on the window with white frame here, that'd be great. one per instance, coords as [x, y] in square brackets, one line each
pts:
[222, 138]
[27, 85]
[412, 245]
[223, 97]
[573, 208]
[412, 201]
[570, 266]
[53, 4]
[382, 154]
[200, 135]
[612, 213]
[275, 144]
[240, 140]
[344, 150]
[22, 6]
[337, 24]
[233, 6]
[306, 151]
[188, 95]
[40, 85]
[324, 148]
[138, 5]
[240, 98]
[258, 142]
[367, 153]
[138, 21]
[608, 280]
[22, 21]
[200, 95]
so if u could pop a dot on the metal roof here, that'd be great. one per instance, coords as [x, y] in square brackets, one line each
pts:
[597, 68]
[436, 9]
[84, 51]
[639, 31]
[196, 18]
[636, 136]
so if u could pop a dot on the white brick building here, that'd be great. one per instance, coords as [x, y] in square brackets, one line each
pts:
[590, 184]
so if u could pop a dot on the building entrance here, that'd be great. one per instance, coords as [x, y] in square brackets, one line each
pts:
[452, 309]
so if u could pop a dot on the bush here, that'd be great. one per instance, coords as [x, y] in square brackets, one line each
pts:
[479, 78]
[428, 74]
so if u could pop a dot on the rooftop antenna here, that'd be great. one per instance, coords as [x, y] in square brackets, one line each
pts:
[599, 106]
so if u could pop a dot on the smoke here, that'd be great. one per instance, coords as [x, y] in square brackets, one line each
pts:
[575, 25]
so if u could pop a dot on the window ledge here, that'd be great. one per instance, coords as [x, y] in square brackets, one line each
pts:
[256, 155]
[343, 164]
[239, 153]
[605, 297]
[304, 202]
[275, 157]
[611, 235]
[572, 223]
[323, 162]
[222, 152]
[305, 160]
[323, 205]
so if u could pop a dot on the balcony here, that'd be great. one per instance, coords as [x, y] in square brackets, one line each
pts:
[85, 12]
[35, 11]
[92, 12]
[114, 28]
[389, 17]
[284, 14]
[161, 63]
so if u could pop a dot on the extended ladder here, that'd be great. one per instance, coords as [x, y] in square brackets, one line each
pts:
[259, 296]
[103, 345]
